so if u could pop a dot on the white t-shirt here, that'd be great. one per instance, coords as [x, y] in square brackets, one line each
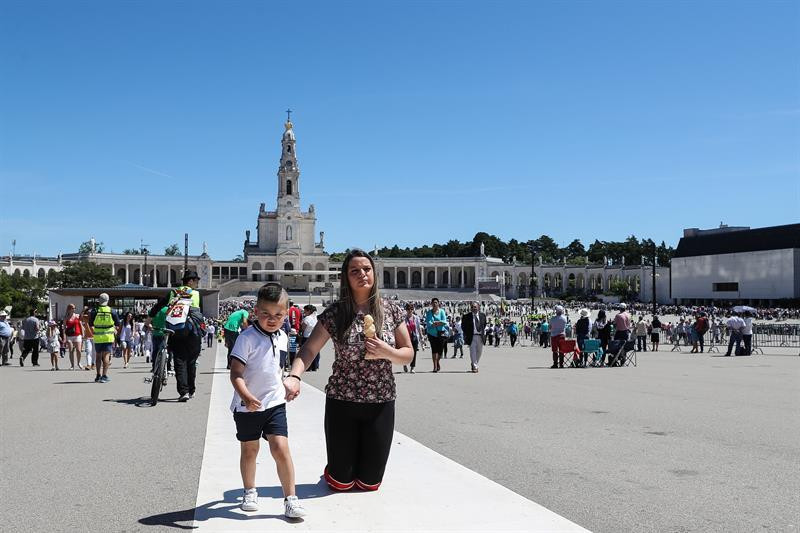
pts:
[748, 326]
[308, 325]
[261, 354]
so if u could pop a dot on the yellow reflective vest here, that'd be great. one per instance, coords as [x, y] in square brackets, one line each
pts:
[103, 325]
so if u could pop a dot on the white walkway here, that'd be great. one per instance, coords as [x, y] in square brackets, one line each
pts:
[422, 490]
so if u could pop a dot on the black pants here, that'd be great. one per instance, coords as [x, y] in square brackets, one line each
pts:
[641, 343]
[230, 340]
[185, 351]
[30, 346]
[358, 438]
[621, 335]
[513, 338]
[415, 345]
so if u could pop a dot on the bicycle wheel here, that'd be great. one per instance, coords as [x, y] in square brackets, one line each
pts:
[159, 373]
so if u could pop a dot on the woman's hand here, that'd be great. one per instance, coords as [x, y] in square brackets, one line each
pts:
[292, 388]
[378, 349]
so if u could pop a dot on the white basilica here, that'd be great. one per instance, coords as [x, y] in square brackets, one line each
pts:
[285, 237]
[284, 249]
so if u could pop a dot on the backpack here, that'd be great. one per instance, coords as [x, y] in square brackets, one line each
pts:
[183, 319]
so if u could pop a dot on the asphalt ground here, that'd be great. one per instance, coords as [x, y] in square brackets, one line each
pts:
[680, 443]
[82, 456]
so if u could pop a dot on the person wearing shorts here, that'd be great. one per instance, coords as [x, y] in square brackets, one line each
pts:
[103, 324]
[73, 330]
[259, 398]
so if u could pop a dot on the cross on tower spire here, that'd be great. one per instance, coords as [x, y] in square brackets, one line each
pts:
[289, 115]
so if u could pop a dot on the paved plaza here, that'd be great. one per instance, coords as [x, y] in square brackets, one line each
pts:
[680, 443]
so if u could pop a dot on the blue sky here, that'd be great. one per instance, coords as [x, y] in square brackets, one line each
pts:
[416, 122]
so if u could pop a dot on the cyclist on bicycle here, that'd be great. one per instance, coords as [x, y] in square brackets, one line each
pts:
[157, 317]
[186, 348]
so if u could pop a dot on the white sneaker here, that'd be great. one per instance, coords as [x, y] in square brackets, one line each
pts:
[293, 508]
[250, 500]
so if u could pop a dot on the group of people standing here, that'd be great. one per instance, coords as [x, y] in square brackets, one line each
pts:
[98, 332]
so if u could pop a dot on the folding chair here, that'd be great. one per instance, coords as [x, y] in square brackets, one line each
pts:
[592, 347]
[614, 350]
[628, 353]
[570, 346]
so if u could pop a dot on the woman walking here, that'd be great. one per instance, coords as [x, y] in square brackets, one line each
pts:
[412, 324]
[436, 319]
[369, 334]
[126, 338]
[72, 331]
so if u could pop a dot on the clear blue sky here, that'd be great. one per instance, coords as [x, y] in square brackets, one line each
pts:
[416, 122]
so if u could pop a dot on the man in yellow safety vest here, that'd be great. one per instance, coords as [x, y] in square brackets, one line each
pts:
[104, 323]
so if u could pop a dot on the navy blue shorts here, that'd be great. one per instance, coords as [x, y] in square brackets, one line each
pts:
[104, 347]
[252, 426]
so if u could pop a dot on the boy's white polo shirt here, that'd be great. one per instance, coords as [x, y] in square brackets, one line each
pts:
[261, 354]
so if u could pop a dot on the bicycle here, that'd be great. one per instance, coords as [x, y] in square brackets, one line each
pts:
[159, 378]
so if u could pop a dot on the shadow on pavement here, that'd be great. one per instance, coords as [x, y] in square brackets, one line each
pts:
[227, 507]
[143, 401]
[74, 382]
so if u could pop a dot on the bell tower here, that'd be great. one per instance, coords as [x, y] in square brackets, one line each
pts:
[289, 170]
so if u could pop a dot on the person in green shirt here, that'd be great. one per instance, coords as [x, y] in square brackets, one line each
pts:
[236, 322]
[157, 318]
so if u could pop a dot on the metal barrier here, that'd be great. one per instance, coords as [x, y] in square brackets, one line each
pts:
[775, 336]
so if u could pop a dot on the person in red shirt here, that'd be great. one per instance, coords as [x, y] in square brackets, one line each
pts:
[295, 316]
[72, 331]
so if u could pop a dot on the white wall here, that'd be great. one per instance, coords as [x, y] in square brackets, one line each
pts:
[768, 274]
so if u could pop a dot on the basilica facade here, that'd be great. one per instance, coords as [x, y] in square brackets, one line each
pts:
[284, 248]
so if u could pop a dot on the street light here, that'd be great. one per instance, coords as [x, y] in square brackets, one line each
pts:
[533, 273]
[654, 278]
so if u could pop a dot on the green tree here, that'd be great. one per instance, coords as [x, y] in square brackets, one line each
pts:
[620, 288]
[574, 250]
[546, 248]
[86, 274]
[86, 247]
[130, 251]
[173, 249]
[22, 293]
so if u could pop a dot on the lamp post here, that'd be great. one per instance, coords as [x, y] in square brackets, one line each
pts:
[533, 273]
[655, 257]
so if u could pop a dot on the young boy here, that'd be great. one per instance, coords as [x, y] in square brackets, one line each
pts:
[259, 405]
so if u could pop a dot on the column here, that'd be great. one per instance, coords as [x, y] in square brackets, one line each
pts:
[127, 274]
[408, 277]
[395, 277]
[462, 285]
[155, 276]
[422, 277]
[436, 277]
[141, 274]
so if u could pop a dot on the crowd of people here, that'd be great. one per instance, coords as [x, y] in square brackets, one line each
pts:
[271, 342]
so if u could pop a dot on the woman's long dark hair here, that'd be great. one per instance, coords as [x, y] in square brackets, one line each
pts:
[346, 312]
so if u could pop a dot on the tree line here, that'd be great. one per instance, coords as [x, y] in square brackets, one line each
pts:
[23, 292]
[99, 247]
[631, 249]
